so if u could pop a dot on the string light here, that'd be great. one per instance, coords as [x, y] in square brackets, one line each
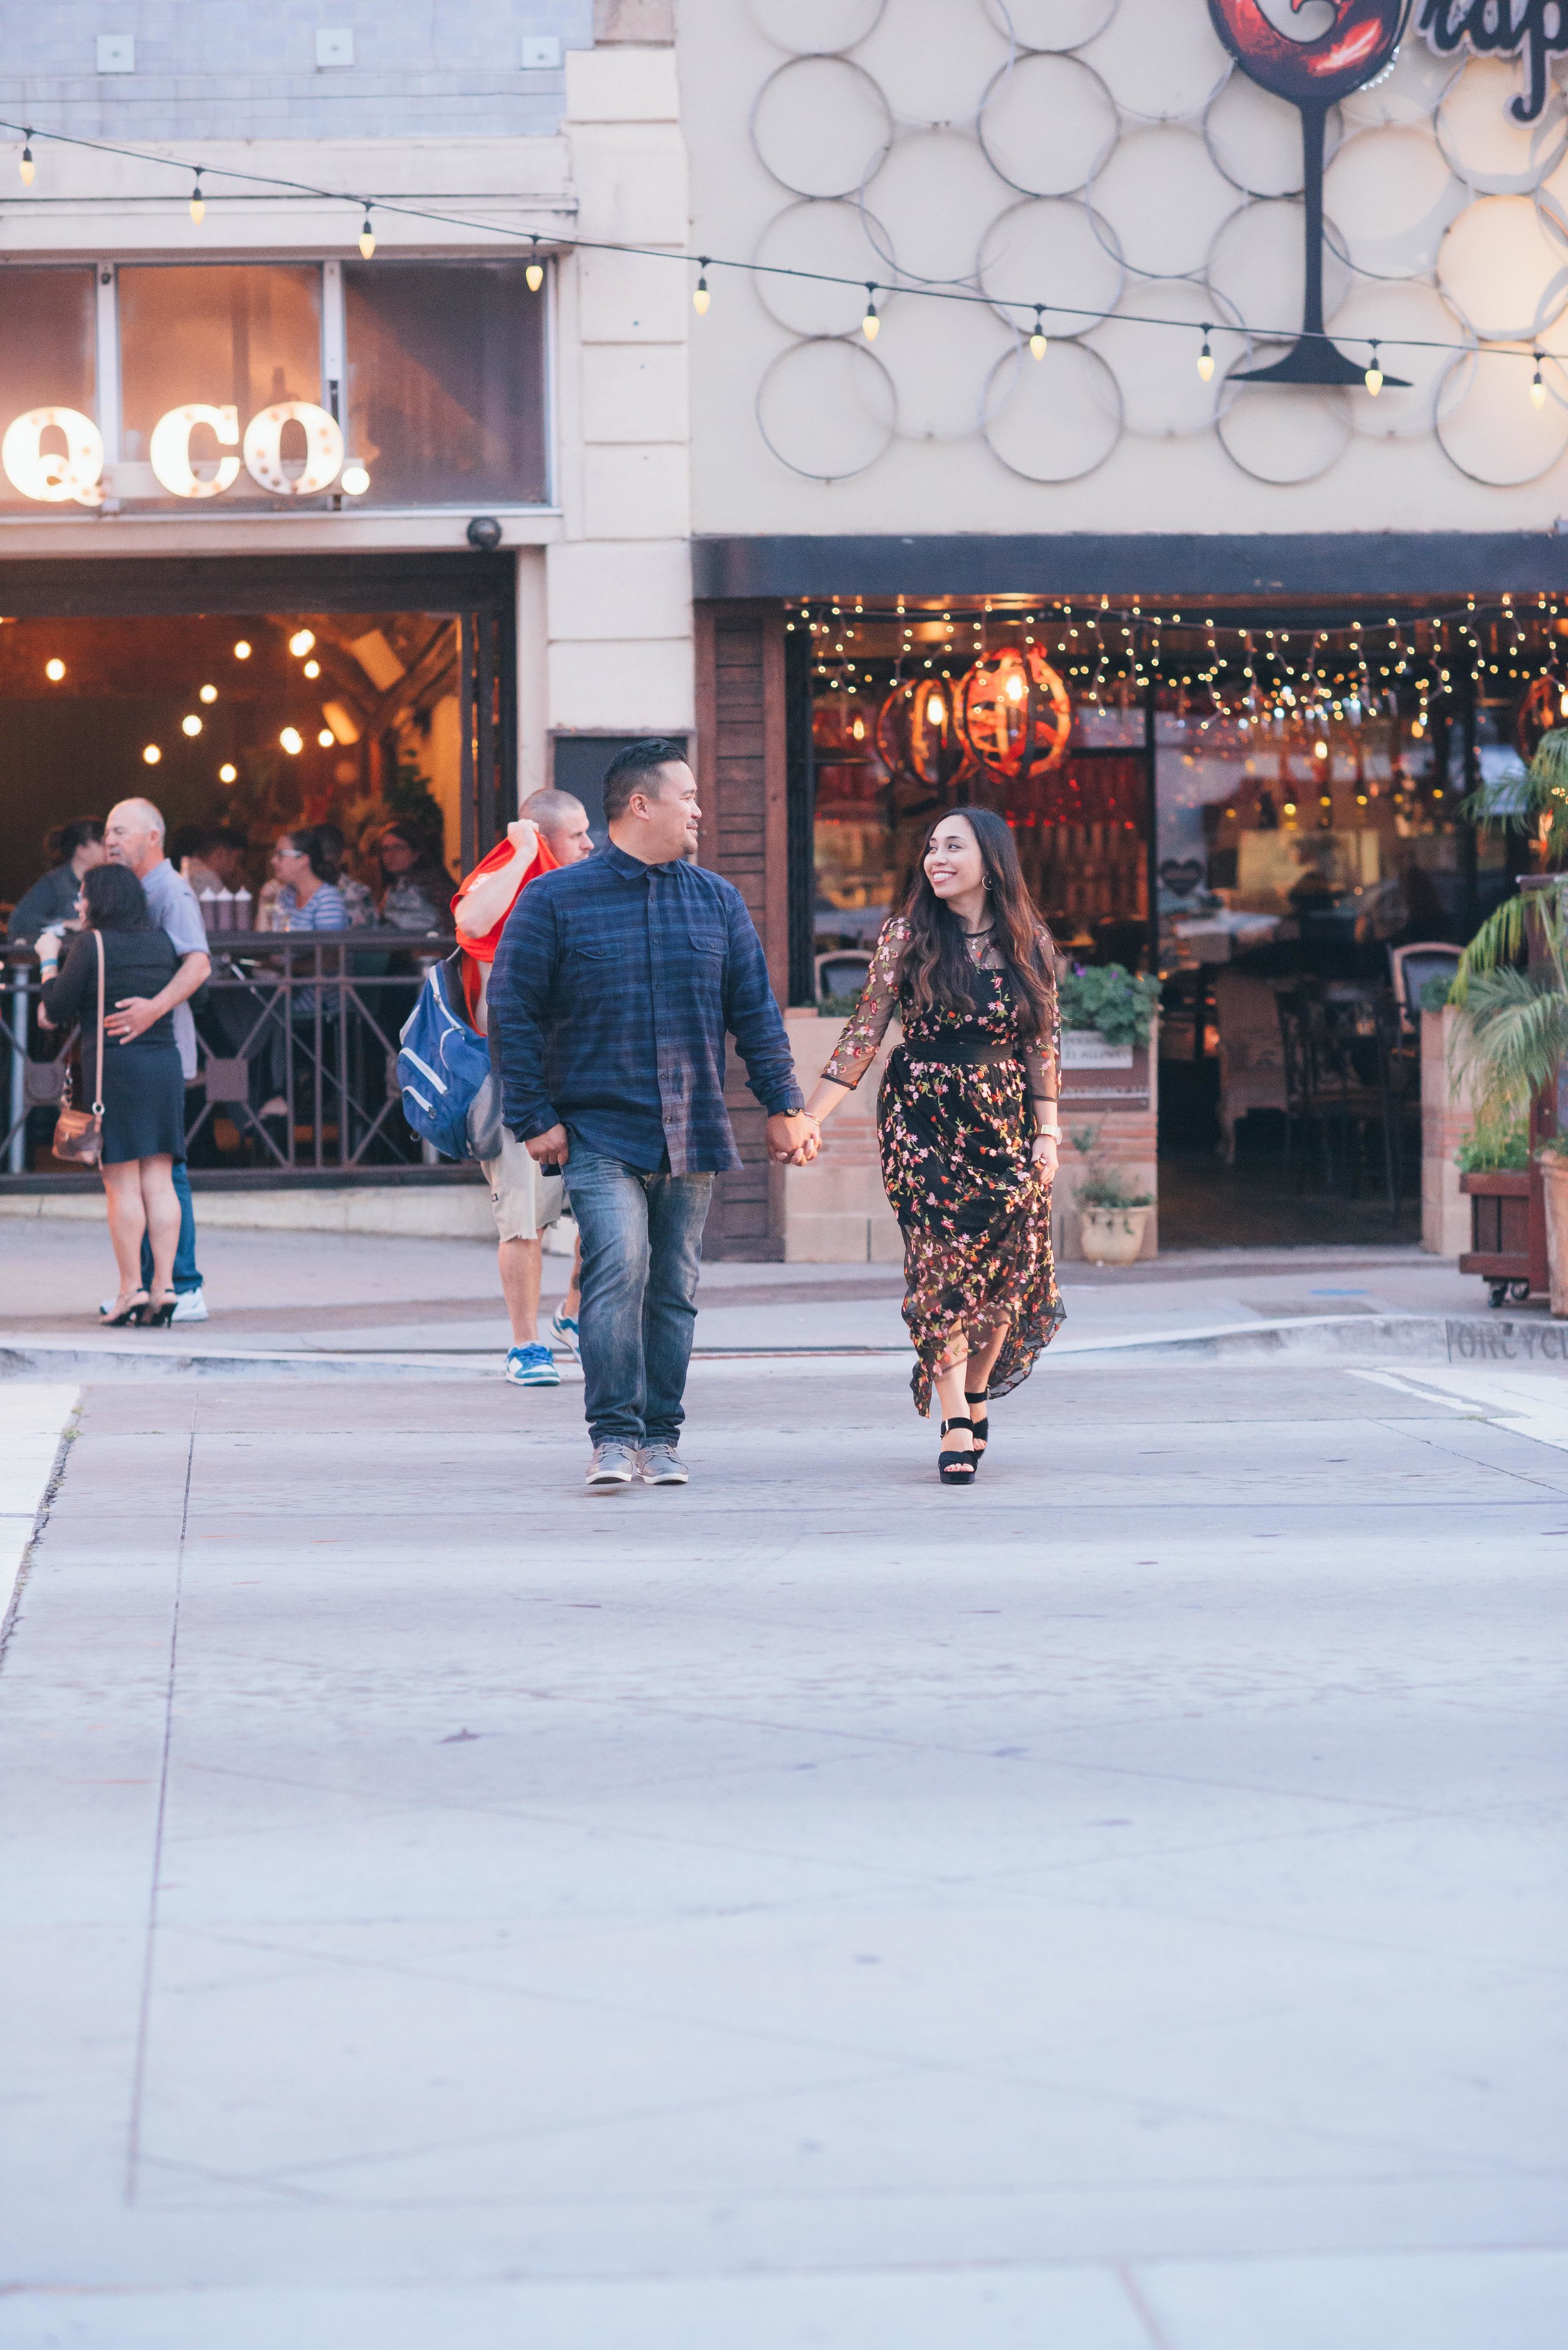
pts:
[1037, 339]
[198, 202]
[27, 166]
[1538, 383]
[535, 273]
[367, 236]
[870, 323]
[701, 297]
[1206, 358]
[1374, 378]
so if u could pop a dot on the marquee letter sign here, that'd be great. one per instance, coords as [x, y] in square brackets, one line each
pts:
[54, 476]
[170, 450]
[1502, 27]
[1312, 52]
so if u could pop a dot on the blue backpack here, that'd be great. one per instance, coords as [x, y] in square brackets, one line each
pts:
[442, 1065]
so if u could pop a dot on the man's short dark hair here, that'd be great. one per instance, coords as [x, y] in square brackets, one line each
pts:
[629, 771]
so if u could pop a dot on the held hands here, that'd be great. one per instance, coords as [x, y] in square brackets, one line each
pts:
[131, 1016]
[550, 1148]
[794, 1137]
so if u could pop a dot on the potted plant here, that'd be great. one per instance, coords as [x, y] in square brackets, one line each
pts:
[1112, 1217]
[1106, 1011]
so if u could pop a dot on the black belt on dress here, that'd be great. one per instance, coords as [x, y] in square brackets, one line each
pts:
[962, 1052]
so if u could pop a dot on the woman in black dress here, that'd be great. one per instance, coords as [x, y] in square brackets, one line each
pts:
[967, 1120]
[141, 1085]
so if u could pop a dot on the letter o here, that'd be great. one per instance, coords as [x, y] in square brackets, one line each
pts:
[170, 450]
[52, 478]
[322, 448]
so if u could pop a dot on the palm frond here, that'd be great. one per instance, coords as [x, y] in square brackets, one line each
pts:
[1504, 936]
[1512, 1041]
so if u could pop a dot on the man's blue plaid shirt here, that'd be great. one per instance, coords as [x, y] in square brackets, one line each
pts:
[613, 986]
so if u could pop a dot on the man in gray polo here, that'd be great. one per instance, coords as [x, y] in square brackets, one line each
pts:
[133, 837]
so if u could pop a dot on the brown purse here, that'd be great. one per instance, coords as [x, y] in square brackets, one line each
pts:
[78, 1133]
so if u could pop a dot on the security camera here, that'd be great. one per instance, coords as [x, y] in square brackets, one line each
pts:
[485, 532]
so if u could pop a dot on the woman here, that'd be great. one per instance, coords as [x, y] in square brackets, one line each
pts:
[416, 888]
[50, 904]
[308, 898]
[358, 903]
[141, 1083]
[968, 1119]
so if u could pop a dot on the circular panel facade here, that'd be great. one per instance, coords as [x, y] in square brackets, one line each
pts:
[1278, 434]
[1256, 139]
[1051, 24]
[1407, 92]
[1163, 394]
[940, 355]
[821, 127]
[1484, 145]
[1391, 196]
[1258, 266]
[1502, 272]
[1161, 63]
[1166, 199]
[826, 410]
[936, 196]
[829, 238]
[1055, 419]
[932, 71]
[1388, 312]
[1056, 252]
[816, 27]
[1489, 428]
[1048, 125]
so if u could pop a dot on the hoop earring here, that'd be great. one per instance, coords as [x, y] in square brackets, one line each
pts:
[987, 880]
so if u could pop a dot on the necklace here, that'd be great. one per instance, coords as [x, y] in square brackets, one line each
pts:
[984, 933]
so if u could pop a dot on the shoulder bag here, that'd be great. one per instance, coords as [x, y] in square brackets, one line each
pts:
[78, 1133]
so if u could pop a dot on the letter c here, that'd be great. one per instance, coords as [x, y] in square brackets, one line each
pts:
[170, 450]
[322, 448]
[48, 475]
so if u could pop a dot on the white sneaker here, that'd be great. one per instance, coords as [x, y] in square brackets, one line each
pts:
[564, 1330]
[612, 1464]
[190, 1305]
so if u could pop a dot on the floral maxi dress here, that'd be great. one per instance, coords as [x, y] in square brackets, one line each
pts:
[955, 1122]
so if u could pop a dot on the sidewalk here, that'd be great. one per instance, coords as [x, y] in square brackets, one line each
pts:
[1115, 1910]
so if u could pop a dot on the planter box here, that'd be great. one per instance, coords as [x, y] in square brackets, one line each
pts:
[1507, 1227]
[1097, 1076]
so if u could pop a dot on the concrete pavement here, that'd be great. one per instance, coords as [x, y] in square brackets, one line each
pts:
[1119, 1907]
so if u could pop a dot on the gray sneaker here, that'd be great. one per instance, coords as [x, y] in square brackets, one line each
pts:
[612, 1464]
[661, 1465]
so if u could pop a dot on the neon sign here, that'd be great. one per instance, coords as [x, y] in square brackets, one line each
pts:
[74, 473]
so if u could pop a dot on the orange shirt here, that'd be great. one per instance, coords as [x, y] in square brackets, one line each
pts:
[478, 954]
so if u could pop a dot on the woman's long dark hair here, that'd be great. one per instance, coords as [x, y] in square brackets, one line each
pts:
[937, 968]
[116, 899]
[323, 864]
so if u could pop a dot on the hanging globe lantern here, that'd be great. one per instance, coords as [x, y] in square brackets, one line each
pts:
[1545, 705]
[917, 733]
[1014, 714]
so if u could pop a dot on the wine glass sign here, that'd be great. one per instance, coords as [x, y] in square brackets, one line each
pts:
[1311, 52]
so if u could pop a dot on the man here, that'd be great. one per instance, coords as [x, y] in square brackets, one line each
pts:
[551, 830]
[133, 835]
[614, 985]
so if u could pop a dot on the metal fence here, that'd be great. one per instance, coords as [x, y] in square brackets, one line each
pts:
[297, 1041]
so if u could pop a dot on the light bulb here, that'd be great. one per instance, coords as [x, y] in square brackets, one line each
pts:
[1037, 339]
[367, 238]
[1206, 360]
[228, 774]
[198, 202]
[191, 725]
[870, 323]
[311, 668]
[535, 273]
[301, 641]
[858, 730]
[1320, 751]
[242, 651]
[1538, 385]
[327, 738]
[354, 479]
[1014, 688]
[293, 741]
[27, 166]
[54, 671]
[152, 754]
[208, 694]
[701, 297]
[935, 711]
[1373, 377]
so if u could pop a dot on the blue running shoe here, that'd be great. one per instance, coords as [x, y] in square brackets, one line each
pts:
[564, 1330]
[532, 1366]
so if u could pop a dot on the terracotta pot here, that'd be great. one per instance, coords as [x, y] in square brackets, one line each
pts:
[1113, 1235]
[1555, 1191]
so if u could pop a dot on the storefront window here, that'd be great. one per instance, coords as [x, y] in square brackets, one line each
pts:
[242, 339]
[446, 383]
[47, 361]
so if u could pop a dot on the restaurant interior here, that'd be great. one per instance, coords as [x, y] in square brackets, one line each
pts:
[1265, 807]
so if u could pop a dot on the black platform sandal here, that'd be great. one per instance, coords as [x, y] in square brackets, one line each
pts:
[956, 1468]
[132, 1311]
[980, 1425]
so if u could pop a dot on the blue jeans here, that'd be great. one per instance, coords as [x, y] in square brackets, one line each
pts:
[186, 1277]
[642, 1237]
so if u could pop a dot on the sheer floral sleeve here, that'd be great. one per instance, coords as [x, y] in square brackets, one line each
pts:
[1042, 1059]
[868, 1024]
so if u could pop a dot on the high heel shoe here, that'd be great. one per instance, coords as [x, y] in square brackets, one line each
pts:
[955, 1468]
[158, 1317]
[132, 1311]
[982, 1423]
